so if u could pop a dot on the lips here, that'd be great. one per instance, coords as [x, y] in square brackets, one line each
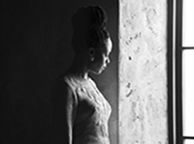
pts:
[104, 67]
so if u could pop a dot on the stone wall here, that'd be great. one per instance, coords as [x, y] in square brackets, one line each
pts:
[142, 72]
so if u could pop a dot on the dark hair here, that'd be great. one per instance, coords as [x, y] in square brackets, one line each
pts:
[89, 25]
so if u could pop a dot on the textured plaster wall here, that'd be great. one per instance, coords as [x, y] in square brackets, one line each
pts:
[142, 72]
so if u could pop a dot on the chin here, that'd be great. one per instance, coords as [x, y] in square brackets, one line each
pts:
[97, 72]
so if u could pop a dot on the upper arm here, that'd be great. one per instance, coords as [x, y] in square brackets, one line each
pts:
[63, 112]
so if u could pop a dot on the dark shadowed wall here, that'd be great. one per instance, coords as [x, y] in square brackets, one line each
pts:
[35, 48]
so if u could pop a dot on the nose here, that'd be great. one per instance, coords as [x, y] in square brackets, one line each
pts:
[108, 60]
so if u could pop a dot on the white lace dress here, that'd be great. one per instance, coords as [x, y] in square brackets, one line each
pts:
[88, 112]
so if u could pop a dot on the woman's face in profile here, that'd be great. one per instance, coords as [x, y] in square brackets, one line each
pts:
[101, 58]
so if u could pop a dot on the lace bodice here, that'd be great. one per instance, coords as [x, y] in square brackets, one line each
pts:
[90, 125]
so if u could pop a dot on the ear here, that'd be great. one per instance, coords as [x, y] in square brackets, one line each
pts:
[91, 51]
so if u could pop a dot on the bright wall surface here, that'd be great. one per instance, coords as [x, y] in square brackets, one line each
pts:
[142, 72]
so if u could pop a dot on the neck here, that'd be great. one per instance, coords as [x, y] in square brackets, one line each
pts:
[79, 67]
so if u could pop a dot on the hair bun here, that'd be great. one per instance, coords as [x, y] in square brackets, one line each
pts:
[89, 27]
[99, 19]
[91, 17]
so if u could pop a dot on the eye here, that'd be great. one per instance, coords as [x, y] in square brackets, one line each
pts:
[107, 54]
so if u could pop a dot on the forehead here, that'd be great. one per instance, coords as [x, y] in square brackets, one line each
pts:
[107, 46]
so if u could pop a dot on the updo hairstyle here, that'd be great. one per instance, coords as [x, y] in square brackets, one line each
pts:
[89, 28]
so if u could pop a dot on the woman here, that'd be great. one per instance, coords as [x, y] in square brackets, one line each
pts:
[80, 113]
